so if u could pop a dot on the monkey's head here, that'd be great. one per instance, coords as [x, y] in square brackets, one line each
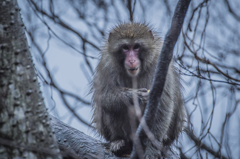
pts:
[133, 47]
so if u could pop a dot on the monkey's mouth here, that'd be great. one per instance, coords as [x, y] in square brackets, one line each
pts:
[133, 71]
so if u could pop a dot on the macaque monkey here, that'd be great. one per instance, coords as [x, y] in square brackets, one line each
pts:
[131, 52]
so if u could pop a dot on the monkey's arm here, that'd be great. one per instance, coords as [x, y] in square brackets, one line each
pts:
[118, 97]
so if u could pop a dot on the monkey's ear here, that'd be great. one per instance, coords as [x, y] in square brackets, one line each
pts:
[151, 34]
[110, 37]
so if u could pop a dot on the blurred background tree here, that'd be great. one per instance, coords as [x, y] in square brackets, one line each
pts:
[66, 37]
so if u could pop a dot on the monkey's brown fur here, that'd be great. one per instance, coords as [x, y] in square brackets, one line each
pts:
[112, 93]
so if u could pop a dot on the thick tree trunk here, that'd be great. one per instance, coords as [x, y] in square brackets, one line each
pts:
[25, 131]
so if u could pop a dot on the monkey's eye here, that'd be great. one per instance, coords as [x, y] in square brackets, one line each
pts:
[136, 47]
[125, 48]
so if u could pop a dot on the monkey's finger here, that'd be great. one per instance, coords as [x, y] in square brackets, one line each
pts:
[144, 96]
[142, 89]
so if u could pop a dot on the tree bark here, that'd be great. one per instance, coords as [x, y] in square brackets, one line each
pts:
[75, 144]
[25, 130]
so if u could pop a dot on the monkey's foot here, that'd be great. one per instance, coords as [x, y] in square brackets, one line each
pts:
[116, 145]
[121, 148]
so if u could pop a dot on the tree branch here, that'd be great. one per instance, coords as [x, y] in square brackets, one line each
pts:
[75, 144]
[161, 71]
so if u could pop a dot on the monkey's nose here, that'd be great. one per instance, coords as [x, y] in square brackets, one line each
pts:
[132, 61]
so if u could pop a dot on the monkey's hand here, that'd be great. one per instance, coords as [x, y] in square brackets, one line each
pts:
[143, 94]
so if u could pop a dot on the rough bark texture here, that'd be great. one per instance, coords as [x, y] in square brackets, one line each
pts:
[25, 131]
[75, 144]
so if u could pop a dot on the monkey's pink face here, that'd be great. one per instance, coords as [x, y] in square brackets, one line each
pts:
[132, 62]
